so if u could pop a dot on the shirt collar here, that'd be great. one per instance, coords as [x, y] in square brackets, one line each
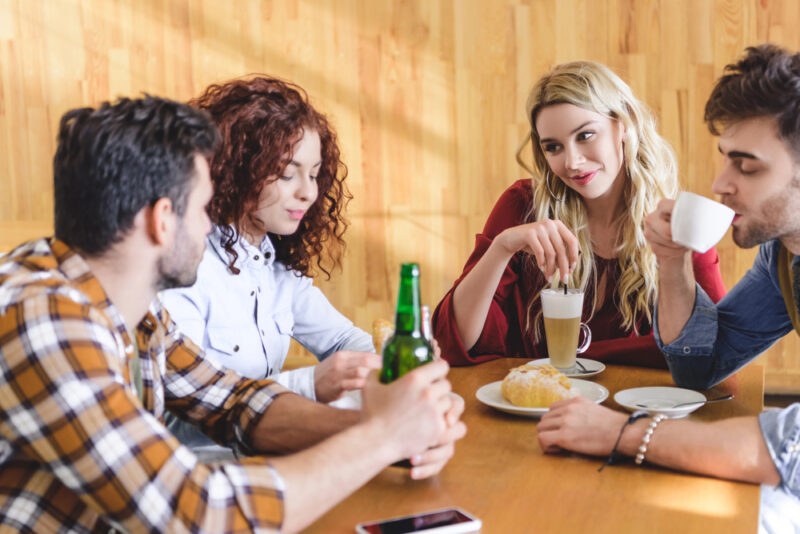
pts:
[247, 255]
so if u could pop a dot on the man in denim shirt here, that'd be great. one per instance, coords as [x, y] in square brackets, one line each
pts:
[755, 110]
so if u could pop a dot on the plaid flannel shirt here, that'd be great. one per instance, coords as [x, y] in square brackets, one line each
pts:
[79, 450]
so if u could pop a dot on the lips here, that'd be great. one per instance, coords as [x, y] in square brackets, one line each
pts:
[584, 178]
[736, 218]
[296, 214]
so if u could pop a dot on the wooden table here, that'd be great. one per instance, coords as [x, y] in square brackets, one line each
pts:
[500, 474]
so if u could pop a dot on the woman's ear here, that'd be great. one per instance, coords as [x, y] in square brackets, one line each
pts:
[161, 221]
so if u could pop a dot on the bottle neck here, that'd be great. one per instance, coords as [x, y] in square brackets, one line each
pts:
[407, 316]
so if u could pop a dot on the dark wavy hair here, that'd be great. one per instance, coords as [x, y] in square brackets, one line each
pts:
[261, 119]
[114, 160]
[764, 82]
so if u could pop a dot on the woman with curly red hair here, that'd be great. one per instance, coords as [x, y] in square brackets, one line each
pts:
[279, 194]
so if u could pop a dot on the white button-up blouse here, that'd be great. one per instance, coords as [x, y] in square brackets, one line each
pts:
[245, 321]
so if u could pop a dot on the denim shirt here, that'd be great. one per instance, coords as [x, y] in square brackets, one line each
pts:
[245, 322]
[719, 340]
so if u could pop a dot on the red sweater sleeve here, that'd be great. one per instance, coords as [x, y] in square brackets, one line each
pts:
[509, 211]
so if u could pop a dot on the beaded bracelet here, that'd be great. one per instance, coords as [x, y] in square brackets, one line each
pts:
[614, 456]
[646, 438]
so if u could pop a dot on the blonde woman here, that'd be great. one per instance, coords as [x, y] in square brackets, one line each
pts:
[599, 167]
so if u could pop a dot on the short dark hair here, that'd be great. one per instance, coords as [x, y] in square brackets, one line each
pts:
[114, 160]
[764, 82]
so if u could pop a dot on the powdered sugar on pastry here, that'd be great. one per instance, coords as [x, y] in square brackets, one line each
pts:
[536, 386]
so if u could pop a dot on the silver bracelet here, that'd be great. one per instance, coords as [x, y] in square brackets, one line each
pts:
[646, 438]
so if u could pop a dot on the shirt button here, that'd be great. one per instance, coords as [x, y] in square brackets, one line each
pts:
[236, 348]
[252, 293]
[687, 350]
[256, 257]
[267, 255]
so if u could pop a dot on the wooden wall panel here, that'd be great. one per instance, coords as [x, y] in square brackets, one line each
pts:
[427, 97]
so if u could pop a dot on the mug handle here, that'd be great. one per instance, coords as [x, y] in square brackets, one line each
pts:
[587, 339]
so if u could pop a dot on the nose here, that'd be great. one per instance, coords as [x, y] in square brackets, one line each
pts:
[306, 188]
[723, 183]
[573, 157]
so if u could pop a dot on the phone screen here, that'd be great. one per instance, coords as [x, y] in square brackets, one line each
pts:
[418, 523]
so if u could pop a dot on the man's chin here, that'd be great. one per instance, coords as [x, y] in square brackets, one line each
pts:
[744, 240]
[175, 282]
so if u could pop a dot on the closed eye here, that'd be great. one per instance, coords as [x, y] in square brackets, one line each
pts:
[745, 171]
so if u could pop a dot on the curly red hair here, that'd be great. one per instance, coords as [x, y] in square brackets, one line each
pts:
[260, 120]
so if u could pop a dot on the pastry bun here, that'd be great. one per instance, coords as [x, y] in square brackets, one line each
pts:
[536, 386]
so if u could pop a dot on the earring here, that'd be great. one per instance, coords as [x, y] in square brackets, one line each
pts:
[547, 184]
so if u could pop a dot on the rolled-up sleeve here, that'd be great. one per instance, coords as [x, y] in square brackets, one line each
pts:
[719, 340]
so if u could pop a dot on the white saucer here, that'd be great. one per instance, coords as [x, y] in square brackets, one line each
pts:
[660, 400]
[593, 367]
[490, 395]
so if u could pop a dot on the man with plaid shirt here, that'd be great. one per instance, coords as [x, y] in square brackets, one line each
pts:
[90, 361]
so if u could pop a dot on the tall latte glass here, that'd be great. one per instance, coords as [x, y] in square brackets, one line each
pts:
[563, 326]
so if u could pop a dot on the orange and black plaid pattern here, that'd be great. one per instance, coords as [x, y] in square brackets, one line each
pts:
[79, 450]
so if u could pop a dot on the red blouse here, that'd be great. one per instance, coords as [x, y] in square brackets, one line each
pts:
[504, 330]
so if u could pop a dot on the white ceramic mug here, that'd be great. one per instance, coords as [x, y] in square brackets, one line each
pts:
[698, 222]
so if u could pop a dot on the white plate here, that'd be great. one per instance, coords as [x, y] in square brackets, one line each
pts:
[490, 395]
[660, 400]
[593, 367]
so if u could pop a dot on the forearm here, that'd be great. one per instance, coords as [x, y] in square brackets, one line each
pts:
[318, 478]
[676, 294]
[293, 423]
[473, 296]
[731, 448]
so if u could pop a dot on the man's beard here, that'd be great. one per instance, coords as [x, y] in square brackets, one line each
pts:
[178, 268]
[778, 219]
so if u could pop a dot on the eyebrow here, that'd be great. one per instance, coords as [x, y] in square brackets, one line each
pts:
[737, 154]
[584, 125]
[297, 164]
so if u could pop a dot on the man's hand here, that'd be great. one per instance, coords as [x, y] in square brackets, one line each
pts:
[343, 371]
[419, 416]
[658, 231]
[434, 459]
[579, 425]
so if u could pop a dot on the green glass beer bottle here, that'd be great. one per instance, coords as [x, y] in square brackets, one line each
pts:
[407, 348]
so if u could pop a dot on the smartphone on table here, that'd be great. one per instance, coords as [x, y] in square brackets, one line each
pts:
[446, 521]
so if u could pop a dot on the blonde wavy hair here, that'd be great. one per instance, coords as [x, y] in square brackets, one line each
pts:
[650, 175]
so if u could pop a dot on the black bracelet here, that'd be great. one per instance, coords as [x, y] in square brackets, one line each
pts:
[614, 457]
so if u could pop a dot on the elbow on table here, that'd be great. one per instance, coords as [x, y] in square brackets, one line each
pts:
[692, 379]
